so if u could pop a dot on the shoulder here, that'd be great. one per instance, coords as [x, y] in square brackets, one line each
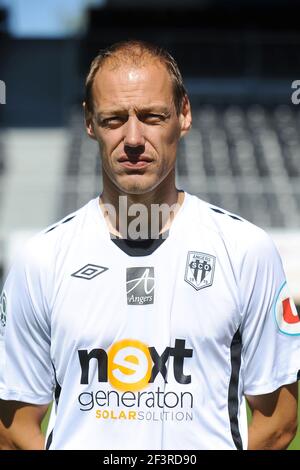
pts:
[71, 223]
[238, 235]
[43, 248]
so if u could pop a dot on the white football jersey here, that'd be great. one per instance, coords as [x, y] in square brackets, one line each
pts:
[148, 345]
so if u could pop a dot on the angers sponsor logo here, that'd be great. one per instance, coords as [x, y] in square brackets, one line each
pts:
[200, 268]
[140, 285]
[286, 315]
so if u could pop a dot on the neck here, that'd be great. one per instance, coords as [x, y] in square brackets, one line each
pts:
[141, 215]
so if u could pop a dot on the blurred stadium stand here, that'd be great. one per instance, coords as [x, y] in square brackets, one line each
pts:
[238, 59]
[245, 159]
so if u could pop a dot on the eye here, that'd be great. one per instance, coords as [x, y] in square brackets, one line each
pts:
[113, 122]
[151, 118]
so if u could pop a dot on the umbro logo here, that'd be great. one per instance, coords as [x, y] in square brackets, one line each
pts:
[89, 271]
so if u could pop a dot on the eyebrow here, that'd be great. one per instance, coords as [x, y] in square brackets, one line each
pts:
[123, 111]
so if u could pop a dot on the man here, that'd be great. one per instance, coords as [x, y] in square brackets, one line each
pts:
[149, 326]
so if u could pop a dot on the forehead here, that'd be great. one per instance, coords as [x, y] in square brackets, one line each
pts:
[132, 86]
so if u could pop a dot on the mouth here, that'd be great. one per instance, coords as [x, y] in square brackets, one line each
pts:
[135, 162]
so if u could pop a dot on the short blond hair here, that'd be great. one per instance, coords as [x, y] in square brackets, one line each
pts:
[135, 53]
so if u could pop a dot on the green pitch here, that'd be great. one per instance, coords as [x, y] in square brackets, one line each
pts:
[295, 445]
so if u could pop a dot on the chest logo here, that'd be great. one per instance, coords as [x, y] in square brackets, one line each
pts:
[200, 268]
[89, 271]
[140, 285]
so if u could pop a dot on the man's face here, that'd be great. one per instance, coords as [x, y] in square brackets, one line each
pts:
[136, 125]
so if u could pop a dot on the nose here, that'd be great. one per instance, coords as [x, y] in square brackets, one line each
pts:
[134, 137]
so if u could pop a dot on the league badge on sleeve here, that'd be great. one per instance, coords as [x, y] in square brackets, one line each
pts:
[200, 268]
[286, 315]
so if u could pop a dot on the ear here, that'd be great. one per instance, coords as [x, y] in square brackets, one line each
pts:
[185, 116]
[89, 125]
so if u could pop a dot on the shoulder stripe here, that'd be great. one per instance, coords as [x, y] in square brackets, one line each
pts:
[219, 211]
[63, 222]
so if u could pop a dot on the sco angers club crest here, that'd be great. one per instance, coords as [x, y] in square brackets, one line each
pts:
[286, 315]
[200, 268]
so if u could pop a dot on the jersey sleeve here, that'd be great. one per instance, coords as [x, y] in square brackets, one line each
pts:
[270, 325]
[26, 372]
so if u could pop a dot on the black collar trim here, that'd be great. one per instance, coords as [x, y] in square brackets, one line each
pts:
[140, 247]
